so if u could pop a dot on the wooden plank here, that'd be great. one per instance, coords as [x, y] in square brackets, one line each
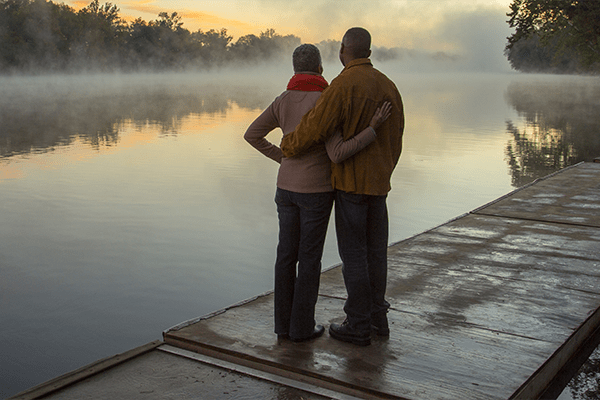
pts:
[577, 343]
[159, 375]
[85, 372]
[496, 273]
[571, 196]
[254, 373]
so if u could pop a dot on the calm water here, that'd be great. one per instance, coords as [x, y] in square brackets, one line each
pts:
[129, 204]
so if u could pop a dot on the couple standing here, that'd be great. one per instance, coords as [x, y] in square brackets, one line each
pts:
[341, 142]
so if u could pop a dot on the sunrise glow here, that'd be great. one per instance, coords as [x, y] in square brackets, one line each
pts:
[429, 25]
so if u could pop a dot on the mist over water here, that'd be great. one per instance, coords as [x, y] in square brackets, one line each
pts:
[130, 202]
[44, 37]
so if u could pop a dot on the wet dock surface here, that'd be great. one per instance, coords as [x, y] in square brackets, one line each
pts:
[490, 305]
[479, 305]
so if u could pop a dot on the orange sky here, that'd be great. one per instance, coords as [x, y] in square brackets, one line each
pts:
[434, 25]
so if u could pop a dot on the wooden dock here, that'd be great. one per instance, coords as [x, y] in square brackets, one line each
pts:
[494, 304]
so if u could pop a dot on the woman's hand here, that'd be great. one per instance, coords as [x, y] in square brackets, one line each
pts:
[381, 114]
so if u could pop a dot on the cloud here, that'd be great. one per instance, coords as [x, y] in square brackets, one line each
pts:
[192, 19]
[79, 4]
[447, 33]
[478, 36]
[404, 23]
[469, 30]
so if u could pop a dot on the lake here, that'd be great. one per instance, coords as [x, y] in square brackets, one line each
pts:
[131, 203]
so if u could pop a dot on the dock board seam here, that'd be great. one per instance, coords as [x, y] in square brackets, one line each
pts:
[538, 180]
[263, 375]
[512, 217]
[278, 369]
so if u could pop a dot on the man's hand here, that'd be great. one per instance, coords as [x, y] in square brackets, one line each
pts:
[381, 114]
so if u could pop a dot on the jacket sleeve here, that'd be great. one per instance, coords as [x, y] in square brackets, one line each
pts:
[339, 149]
[256, 132]
[316, 125]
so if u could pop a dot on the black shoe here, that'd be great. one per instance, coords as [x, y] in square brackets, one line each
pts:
[344, 333]
[318, 331]
[283, 336]
[380, 325]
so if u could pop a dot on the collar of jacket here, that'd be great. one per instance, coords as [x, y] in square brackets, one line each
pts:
[357, 62]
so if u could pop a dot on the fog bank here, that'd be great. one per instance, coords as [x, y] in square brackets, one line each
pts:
[45, 38]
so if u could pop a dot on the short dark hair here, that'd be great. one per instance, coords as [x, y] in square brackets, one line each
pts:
[358, 42]
[306, 58]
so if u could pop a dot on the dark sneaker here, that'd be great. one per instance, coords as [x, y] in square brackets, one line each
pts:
[318, 331]
[379, 323]
[344, 333]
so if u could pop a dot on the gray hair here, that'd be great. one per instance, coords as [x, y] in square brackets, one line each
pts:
[306, 58]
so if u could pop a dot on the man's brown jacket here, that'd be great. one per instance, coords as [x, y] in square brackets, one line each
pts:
[348, 105]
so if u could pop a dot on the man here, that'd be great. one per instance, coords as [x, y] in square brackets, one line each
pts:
[361, 182]
[304, 195]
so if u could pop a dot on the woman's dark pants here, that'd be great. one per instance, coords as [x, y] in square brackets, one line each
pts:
[303, 220]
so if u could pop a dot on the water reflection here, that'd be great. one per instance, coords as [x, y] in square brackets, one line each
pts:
[561, 126]
[39, 114]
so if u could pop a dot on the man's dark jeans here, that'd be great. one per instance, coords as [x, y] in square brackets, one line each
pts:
[303, 220]
[362, 232]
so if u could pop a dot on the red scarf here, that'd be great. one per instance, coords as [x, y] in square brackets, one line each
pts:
[307, 83]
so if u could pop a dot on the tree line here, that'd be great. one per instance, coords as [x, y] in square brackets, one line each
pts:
[41, 34]
[560, 36]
